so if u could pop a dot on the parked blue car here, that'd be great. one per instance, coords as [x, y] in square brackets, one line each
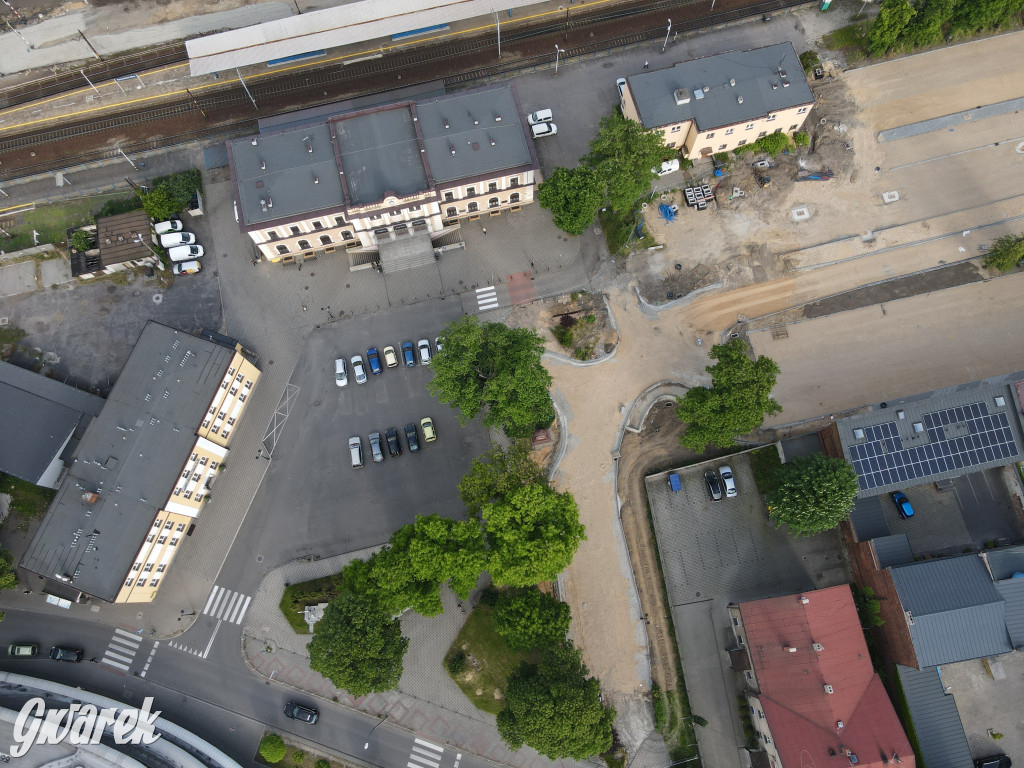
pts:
[408, 354]
[373, 359]
[902, 504]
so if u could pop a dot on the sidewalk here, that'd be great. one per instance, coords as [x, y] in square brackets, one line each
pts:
[272, 650]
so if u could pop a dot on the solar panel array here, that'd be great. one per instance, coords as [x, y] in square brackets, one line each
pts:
[882, 460]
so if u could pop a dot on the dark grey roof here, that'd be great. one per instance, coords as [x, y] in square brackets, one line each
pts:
[936, 721]
[893, 550]
[868, 519]
[956, 611]
[131, 455]
[739, 88]
[39, 416]
[1005, 562]
[380, 155]
[961, 429]
[1012, 591]
[286, 187]
[473, 124]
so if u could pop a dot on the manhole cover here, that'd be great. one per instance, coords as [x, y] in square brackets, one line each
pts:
[158, 298]
[259, 559]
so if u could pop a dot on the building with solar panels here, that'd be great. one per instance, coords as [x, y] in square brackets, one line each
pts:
[933, 436]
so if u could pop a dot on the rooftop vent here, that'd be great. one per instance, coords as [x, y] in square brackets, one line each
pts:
[452, 148]
[1000, 401]
[698, 94]
[804, 600]
[475, 121]
[681, 95]
[839, 725]
[785, 83]
[254, 142]
[446, 124]
[858, 433]
[818, 647]
[918, 426]
[732, 81]
[782, 73]
[706, 89]
[901, 415]
[739, 99]
[270, 203]
[790, 649]
[263, 165]
[829, 689]
[497, 117]
[316, 179]
[309, 148]
[775, 86]
[263, 204]
[491, 139]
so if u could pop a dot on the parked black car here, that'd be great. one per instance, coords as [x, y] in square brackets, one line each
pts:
[394, 447]
[301, 713]
[714, 485]
[412, 438]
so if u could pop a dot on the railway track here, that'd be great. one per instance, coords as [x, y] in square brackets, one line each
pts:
[458, 64]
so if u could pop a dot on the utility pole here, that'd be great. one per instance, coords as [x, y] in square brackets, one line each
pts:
[247, 93]
[133, 165]
[497, 21]
[94, 53]
[557, 51]
[669, 32]
[90, 82]
[26, 42]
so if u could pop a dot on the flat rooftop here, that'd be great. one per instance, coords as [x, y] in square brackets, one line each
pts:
[380, 155]
[130, 457]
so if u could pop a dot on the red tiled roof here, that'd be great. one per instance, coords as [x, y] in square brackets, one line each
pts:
[802, 716]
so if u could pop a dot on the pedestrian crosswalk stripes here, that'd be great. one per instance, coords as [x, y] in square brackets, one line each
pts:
[121, 649]
[425, 754]
[487, 298]
[225, 605]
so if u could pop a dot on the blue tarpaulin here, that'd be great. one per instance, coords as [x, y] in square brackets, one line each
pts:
[673, 482]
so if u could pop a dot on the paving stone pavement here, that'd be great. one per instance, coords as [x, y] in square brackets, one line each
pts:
[446, 716]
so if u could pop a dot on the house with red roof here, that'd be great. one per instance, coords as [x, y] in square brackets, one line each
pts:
[814, 698]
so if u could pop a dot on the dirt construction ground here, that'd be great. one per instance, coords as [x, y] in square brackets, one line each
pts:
[950, 183]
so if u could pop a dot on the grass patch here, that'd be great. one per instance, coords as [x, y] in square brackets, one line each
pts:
[489, 661]
[297, 596]
[11, 334]
[29, 500]
[52, 221]
[764, 462]
[617, 229]
[852, 40]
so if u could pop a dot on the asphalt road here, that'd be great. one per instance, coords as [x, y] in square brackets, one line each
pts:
[220, 701]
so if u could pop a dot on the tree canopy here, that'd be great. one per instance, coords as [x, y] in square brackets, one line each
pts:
[573, 196]
[357, 645]
[1006, 253]
[420, 557]
[812, 494]
[497, 473]
[903, 26]
[528, 618]
[891, 22]
[492, 368]
[532, 534]
[622, 156]
[554, 707]
[736, 402]
[272, 748]
[8, 578]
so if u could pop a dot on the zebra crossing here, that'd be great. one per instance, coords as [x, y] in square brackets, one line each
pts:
[121, 650]
[487, 298]
[225, 605]
[425, 754]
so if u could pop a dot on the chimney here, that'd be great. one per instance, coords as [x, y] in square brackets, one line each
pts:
[739, 99]
[804, 600]
[681, 95]
[732, 81]
[253, 141]
[818, 647]
[790, 649]
[829, 689]
[309, 148]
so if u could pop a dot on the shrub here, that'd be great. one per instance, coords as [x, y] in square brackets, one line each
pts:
[122, 205]
[298, 755]
[562, 334]
[81, 240]
[584, 353]
[272, 748]
[809, 60]
[456, 663]
[722, 157]
[321, 763]
[1005, 253]
[590, 319]
[801, 138]
[658, 701]
[698, 720]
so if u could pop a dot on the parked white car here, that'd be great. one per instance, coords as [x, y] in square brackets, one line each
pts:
[541, 130]
[177, 238]
[728, 481]
[187, 268]
[185, 252]
[669, 166]
[171, 225]
[540, 116]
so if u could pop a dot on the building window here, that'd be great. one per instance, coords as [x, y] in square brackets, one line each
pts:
[231, 421]
[282, 249]
[801, 110]
[205, 425]
[492, 186]
[676, 129]
[177, 491]
[325, 240]
[741, 142]
[346, 235]
[174, 541]
[770, 118]
[721, 147]
[154, 582]
[514, 197]
[273, 235]
[318, 225]
[793, 127]
[158, 523]
[203, 461]
[338, 221]
[493, 202]
[449, 196]
[472, 207]
[777, 130]
[671, 145]
[187, 494]
[729, 132]
[213, 465]
[241, 398]
[749, 127]
[169, 525]
[225, 433]
[762, 134]
[128, 582]
[195, 456]
[295, 230]
[161, 568]
[248, 384]
[148, 568]
[181, 527]
[710, 136]
[451, 213]
[514, 181]
[149, 539]
[162, 540]
[304, 245]
[136, 567]
[470, 191]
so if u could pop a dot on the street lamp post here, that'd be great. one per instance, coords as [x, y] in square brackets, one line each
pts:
[669, 32]
[378, 725]
[557, 51]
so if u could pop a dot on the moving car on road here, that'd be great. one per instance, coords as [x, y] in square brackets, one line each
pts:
[59, 653]
[713, 484]
[301, 713]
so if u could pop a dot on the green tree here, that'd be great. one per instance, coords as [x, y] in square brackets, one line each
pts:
[498, 473]
[8, 578]
[160, 204]
[573, 196]
[272, 748]
[528, 618]
[926, 26]
[971, 16]
[358, 646]
[554, 707]
[490, 367]
[533, 534]
[622, 156]
[1006, 253]
[81, 240]
[891, 23]
[736, 402]
[419, 557]
[813, 494]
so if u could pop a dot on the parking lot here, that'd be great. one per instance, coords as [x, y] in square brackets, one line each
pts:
[313, 501]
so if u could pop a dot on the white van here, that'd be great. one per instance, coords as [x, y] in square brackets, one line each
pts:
[177, 238]
[669, 166]
[185, 252]
[539, 130]
[171, 225]
[540, 116]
